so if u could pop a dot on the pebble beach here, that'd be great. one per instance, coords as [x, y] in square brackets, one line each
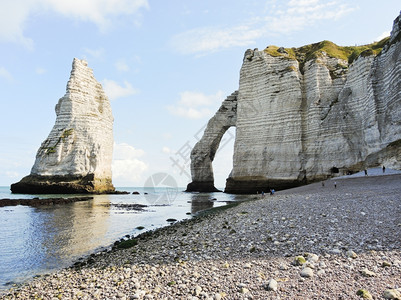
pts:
[312, 242]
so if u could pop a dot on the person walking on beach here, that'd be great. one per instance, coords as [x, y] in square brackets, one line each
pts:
[366, 172]
[384, 169]
[335, 184]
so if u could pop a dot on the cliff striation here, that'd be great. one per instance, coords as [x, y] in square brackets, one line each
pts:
[306, 114]
[76, 157]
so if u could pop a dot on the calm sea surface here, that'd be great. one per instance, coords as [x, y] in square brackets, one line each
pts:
[38, 240]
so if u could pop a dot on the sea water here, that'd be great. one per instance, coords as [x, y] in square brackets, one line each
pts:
[39, 240]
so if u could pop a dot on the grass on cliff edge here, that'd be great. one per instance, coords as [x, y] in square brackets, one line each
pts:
[312, 51]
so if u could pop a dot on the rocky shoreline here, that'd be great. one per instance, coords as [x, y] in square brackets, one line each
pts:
[311, 242]
[41, 201]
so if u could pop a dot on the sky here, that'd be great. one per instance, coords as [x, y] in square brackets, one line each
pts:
[166, 66]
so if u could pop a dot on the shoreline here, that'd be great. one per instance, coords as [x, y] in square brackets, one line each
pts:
[235, 254]
[41, 201]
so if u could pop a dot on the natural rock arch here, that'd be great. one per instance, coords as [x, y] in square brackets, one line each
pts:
[204, 151]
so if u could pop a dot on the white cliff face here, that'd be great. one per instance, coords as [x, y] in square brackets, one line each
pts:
[81, 141]
[303, 121]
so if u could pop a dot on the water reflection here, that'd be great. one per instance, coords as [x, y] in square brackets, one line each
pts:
[70, 232]
[35, 240]
[201, 202]
[48, 237]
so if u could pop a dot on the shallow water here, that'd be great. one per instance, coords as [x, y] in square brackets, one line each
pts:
[38, 240]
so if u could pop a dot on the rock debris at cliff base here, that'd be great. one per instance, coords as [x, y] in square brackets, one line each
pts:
[311, 242]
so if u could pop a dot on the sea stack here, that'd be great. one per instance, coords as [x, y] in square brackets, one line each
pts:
[310, 113]
[76, 157]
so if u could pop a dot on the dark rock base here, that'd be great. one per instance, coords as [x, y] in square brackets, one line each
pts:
[259, 185]
[202, 187]
[39, 202]
[37, 184]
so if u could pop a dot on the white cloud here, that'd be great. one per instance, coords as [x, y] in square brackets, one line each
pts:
[167, 150]
[5, 74]
[40, 70]
[127, 168]
[114, 90]
[121, 66]
[12, 174]
[167, 136]
[195, 105]
[15, 13]
[382, 36]
[95, 53]
[282, 19]
[212, 39]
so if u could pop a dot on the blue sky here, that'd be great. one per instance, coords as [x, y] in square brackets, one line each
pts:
[165, 65]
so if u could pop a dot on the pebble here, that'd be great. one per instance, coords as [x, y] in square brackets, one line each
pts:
[313, 258]
[351, 254]
[306, 272]
[392, 294]
[271, 285]
[299, 260]
[364, 294]
[365, 272]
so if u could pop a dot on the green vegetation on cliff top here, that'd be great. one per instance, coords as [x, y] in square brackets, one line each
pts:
[313, 51]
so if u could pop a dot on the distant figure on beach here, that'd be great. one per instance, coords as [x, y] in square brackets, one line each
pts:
[335, 184]
[322, 183]
[263, 194]
[384, 169]
[366, 172]
[272, 191]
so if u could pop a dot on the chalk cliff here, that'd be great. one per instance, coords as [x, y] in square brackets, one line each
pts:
[310, 113]
[76, 157]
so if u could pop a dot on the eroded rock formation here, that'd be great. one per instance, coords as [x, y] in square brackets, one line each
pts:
[76, 157]
[203, 153]
[306, 114]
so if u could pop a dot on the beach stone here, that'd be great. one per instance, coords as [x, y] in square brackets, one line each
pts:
[392, 294]
[299, 260]
[307, 272]
[321, 272]
[386, 264]
[351, 254]
[218, 296]
[364, 294]
[311, 257]
[335, 251]
[271, 285]
[247, 266]
[197, 290]
[365, 272]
